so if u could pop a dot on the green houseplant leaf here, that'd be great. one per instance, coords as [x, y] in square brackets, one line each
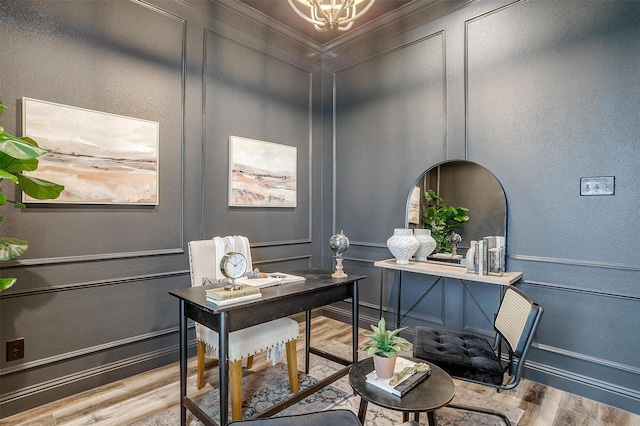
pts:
[442, 219]
[386, 343]
[19, 154]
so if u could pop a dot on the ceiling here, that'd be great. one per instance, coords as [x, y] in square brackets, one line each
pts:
[281, 11]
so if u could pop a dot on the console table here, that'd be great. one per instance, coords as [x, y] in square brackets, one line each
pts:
[442, 270]
[317, 290]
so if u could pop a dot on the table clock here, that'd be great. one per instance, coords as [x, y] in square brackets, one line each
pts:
[233, 265]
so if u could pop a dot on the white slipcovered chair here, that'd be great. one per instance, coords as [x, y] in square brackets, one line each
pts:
[276, 337]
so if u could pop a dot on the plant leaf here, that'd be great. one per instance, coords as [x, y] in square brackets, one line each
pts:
[5, 283]
[12, 247]
[39, 189]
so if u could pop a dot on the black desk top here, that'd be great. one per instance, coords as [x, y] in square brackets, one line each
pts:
[318, 289]
[434, 392]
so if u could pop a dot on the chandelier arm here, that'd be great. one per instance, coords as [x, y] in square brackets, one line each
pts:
[318, 6]
[303, 16]
[359, 14]
[321, 18]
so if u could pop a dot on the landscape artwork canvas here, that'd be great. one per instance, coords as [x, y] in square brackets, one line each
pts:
[261, 174]
[100, 158]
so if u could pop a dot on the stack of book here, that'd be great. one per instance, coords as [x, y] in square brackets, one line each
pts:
[270, 279]
[405, 384]
[223, 296]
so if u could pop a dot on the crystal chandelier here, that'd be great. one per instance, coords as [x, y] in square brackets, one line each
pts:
[331, 14]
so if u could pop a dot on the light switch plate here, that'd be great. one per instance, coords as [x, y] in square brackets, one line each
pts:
[597, 185]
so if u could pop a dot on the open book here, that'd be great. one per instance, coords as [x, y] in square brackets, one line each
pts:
[407, 383]
[272, 278]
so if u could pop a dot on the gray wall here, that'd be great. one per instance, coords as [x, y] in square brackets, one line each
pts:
[541, 93]
[92, 298]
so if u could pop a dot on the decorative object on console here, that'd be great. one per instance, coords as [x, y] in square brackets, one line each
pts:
[427, 244]
[402, 245]
[470, 261]
[442, 219]
[262, 174]
[339, 243]
[455, 239]
[384, 346]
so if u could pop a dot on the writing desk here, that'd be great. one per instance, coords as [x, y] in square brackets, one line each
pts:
[319, 289]
[443, 270]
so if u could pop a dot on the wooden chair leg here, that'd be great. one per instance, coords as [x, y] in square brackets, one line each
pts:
[250, 362]
[292, 365]
[200, 357]
[235, 389]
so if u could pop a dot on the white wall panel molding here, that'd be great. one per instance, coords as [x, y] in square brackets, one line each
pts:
[34, 390]
[568, 288]
[575, 262]
[590, 359]
[91, 257]
[577, 378]
[91, 284]
[96, 349]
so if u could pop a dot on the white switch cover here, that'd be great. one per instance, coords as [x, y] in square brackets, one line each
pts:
[597, 185]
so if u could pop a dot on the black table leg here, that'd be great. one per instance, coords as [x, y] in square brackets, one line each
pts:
[223, 343]
[307, 340]
[431, 417]
[354, 327]
[362, 410]
[399, 300]
[183, 364]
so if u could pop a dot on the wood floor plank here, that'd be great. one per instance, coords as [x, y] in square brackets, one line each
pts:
[135, 398]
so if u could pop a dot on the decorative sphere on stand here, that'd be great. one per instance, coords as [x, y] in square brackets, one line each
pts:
[339, 243]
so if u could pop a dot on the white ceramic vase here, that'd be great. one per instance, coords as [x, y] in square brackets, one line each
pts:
[402, 245]
[427, 244]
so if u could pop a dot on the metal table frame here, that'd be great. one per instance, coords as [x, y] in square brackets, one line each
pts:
[442, 270]
[319, 289]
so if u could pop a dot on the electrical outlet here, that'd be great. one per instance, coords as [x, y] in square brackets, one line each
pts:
[597, 185]
[15, 349]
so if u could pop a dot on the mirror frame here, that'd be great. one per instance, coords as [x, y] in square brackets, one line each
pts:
[495, 193]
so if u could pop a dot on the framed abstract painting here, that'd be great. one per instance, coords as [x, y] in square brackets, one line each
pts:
[262, 174]
[100, 158]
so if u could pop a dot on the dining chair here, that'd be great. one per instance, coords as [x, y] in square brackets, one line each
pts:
[277, 337]
[472, 358]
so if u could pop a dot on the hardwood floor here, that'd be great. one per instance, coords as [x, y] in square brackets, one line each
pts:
[135, 398]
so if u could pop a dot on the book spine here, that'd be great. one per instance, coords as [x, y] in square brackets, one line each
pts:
[410, 383]
[481, 258]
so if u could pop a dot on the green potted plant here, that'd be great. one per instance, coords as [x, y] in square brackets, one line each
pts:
[384, 345]
[442, 219]
[18, 155]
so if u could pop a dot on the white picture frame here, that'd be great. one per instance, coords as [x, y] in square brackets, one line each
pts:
[262, 174]
[100, 158]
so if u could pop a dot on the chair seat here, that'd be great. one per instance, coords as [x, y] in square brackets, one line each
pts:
[258, 338]
[459, 354]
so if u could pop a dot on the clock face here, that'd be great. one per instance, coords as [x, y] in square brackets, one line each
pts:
[233, 265]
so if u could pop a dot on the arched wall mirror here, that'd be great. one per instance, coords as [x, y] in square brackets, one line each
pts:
[462, 184]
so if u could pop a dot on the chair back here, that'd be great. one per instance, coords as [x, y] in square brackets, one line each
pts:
[205, 256]
[516, 323]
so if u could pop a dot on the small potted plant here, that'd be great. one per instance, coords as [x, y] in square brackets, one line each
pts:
[384, 346]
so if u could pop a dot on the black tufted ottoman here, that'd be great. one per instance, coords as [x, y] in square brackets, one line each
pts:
[459, 354]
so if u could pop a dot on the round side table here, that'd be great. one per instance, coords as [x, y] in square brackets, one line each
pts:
[434, 392]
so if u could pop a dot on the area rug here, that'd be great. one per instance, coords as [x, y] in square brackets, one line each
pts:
[266, 387]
